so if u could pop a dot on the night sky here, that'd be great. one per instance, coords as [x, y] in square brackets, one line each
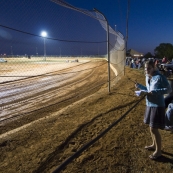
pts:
[70, 32]
[150, 21]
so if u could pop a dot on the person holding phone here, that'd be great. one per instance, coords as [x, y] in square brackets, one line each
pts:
[156, 86]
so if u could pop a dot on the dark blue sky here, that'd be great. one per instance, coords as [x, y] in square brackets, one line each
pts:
[150, 23]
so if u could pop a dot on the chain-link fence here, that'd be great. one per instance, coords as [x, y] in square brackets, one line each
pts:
[42, 74]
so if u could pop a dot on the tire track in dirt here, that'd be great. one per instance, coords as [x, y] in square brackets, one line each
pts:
[64, 94]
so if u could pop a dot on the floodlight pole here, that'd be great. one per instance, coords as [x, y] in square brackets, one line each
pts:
[44, 48]
[44, 34]
[108, 52]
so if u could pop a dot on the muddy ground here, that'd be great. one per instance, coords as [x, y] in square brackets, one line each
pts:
[44, 143]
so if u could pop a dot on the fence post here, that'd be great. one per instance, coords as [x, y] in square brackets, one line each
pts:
[108, 52]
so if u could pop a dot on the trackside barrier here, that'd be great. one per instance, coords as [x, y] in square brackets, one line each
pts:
[75, 155]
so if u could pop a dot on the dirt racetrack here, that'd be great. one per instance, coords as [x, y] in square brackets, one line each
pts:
[51, 124]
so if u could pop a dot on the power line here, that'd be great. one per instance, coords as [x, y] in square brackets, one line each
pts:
[28, 33]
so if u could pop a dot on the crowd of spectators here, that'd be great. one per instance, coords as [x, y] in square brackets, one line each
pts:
[137, 63]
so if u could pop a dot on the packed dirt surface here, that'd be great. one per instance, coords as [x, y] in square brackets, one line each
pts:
[39, 140]
[39, 91]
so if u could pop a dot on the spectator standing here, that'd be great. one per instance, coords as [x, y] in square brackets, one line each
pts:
[132, 63]
[169, 118]
[139, 64]
[156, 63]
[156, 86]
[164, 60]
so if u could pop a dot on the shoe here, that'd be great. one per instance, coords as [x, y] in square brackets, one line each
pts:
[169, 128]
[152, 157]
[149, 148]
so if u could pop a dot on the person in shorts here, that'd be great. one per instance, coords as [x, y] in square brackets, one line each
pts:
[156, 86]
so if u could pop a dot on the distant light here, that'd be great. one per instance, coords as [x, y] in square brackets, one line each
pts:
[44, 34]
[137, 55]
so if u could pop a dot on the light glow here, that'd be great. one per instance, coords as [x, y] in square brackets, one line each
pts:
[43, 34]
[138, 55]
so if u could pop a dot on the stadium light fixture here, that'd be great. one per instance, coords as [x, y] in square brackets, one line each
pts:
[44, 34]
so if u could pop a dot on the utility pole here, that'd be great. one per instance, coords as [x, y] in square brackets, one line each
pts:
[127, 22]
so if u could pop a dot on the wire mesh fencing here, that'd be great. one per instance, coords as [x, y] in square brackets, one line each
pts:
[42, 74]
